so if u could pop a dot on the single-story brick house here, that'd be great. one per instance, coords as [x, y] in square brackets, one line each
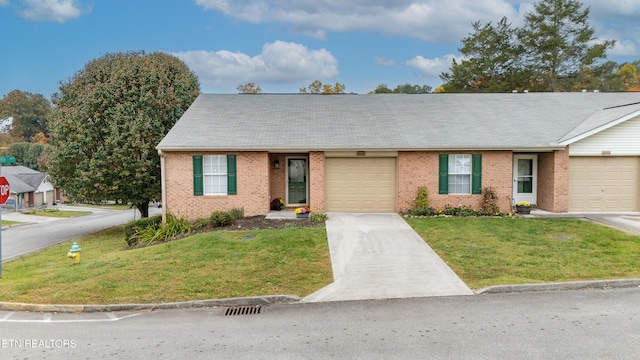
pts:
[370, 153]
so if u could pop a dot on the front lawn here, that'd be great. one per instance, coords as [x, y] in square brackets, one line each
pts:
[214, 265]
[57, 213]
[497, 251]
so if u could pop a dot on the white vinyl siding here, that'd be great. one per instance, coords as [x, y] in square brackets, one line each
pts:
[620, 140]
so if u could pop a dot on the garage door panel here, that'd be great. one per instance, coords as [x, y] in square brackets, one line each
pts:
[361, 184]
[604, 184]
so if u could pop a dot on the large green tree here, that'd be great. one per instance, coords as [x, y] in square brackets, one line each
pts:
[30, 113]
[554, 50]
[559, 43]
[28, 154]
[107, 121]
[490, 61]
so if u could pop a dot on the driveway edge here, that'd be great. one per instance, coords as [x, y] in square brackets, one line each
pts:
[573, 285]
[243, 301]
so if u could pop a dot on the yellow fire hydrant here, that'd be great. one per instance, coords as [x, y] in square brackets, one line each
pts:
[74, 253]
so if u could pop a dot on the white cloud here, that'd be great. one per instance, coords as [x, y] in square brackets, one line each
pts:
[384, 61]
[279, 63]
[4, 3]
[430, 20]
[624, 47]
[427, 20]
[432, 67]
[51, 10]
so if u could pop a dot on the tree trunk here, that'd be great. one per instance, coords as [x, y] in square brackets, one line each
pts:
[143, 207]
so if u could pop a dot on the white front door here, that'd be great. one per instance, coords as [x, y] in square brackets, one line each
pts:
[525, 178]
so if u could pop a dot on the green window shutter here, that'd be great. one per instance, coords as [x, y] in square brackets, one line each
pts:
[476, 174]
[197, 176]
[232, 187]
[443, 174]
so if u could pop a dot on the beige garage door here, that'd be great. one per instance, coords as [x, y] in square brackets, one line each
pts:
[604, 184]
[361, 184]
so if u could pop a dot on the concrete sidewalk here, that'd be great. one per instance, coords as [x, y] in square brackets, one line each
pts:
[379, 256]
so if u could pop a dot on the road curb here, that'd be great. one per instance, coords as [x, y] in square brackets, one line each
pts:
[573, 285]
[243, 301]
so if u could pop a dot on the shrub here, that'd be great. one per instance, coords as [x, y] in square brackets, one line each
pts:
[170, 229]
[133, 229]
[220, 218]
[429, 211]
[459, 211]
[422, 201]
[490, 202]
[237, 213]
[318, 217]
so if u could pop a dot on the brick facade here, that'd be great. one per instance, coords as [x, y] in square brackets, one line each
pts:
[316, 181]
[259, 181]
[420, 168]
[553, 181]
[252, 182]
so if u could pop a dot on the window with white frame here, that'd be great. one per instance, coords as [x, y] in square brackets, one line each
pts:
[214, 172]
[459, 174]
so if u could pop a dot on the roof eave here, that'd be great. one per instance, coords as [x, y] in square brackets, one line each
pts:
[586, 134]
[545, 148]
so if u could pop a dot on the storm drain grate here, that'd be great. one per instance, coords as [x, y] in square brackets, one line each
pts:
[242, 310]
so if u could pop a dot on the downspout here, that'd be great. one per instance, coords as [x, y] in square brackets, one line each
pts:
[163, 186]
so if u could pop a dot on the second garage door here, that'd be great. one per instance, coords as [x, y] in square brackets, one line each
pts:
[604, 184]
[361, 184]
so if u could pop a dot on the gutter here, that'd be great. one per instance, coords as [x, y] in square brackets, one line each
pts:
[547, 148]
[163, 185]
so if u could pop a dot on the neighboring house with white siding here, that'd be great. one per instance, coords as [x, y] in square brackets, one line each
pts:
[32, 188]
[370, 153]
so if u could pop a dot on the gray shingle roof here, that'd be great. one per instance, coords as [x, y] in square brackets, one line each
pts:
[22, 179]
[393, 122]
[17, 186]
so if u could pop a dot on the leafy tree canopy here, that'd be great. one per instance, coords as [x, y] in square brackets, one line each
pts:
[107, 121]
[555, 50]
[403, 89]
[30, 113]
[27, 154]
[317, 87]
[249, 88]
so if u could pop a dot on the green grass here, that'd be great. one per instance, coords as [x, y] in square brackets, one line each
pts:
[497, 251]
[9, 222]
[106, 206]
[57, 213]
[223, 264]
[213, 265]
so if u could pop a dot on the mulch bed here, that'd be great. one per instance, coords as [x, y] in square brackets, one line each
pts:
[259, 222]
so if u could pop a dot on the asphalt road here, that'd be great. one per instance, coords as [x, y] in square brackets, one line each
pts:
[585, 324]
[36, 234]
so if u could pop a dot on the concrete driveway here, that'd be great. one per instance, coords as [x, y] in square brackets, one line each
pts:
[379, 256]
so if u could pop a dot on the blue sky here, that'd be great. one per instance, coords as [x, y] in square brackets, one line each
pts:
[281, 45]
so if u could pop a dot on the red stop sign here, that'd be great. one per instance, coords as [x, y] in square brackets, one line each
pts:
[4, 190]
